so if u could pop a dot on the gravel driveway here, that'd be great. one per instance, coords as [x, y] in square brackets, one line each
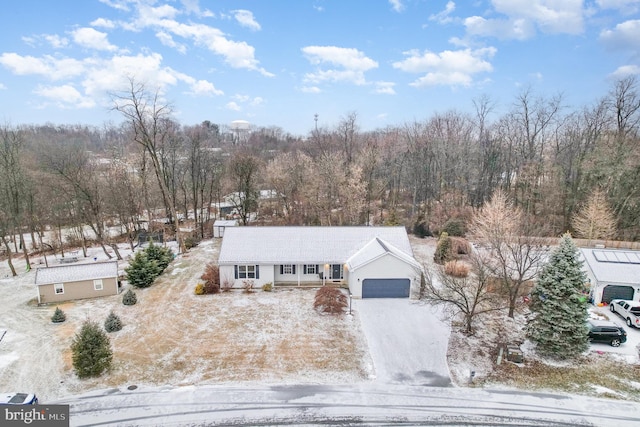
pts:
[407, 341]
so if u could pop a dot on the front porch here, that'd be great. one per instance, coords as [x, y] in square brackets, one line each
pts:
[313, 284]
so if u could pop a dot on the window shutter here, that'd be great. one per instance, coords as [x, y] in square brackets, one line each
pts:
[281, 269]
[257, 271]
[294, 269]
[304, 269]
[235, 271]
[317, 268]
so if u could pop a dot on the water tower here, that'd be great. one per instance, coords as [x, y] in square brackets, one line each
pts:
[240, 130]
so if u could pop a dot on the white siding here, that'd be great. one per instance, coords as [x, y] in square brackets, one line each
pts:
[385, 267]
[227, 272]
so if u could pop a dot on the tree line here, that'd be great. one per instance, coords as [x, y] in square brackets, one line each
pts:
[548, 158]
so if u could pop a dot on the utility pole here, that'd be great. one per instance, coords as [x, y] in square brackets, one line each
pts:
[315, 117]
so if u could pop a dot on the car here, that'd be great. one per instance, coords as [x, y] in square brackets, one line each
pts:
[606, 331]
[628, 310]
[18, 399]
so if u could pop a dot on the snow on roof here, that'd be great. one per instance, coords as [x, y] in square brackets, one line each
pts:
[613, 266]
[225, 223]
[277, 245]
[374, 250]
[76, 272]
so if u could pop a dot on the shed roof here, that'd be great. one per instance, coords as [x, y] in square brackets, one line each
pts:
[278, 245]
[76, 272]
[613, 266]
[375, 249]
[225, 223]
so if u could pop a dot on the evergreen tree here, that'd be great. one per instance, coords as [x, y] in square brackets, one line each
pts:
[112, 323]
[58, 316]
[558, 325]
[443, 250]
[129, 298]
[91, 351]
[160, 254]
[142, 271]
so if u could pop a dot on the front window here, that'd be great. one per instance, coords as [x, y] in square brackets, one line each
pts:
[287, 269]
[59, 288]
[310, 269]
[246, 272]
[97, 285]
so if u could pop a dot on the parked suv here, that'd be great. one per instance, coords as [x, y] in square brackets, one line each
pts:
[606, 331]
[629, 310]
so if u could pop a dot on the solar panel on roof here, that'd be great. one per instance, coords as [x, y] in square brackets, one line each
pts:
[620, 257]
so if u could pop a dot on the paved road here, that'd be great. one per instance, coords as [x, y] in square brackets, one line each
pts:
[363, 404]
[407, 341]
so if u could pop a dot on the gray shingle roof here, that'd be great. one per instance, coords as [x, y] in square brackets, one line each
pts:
[613, 266]
[76, 272]
[375, 249]
[299, 245]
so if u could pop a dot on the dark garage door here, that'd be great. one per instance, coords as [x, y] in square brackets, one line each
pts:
[386, 288]
[616, 292]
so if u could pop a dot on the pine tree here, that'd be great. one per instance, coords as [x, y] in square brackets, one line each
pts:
[443, 250]
[160, 254]
[91, 351]
[112, 323]
[129, 298]
[58, 316]
[142, 271]
[558, 325]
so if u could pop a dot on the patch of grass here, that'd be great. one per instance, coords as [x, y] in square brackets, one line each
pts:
[592, 375]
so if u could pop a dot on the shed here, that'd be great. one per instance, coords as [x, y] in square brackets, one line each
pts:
[613, 274]
[77, 281]
[221, 224]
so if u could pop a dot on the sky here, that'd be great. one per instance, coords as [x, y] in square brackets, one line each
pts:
[298, 64]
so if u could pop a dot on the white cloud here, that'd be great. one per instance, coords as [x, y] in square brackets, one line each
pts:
[56, 41]
[397, 5]
[385, 88]
[625, 35]
[65, 96]
[203, 87]
[450, 68]
[352, 62]
[48, 66]
[233, 106]
[2, 86]
[444, 16]
[103, 23]
[92, 38]
[166, 39]
[116, 4]
[523, 17]
[310, 89]
[626, 7]
[626, 70]
[246, 19]
[257, 101]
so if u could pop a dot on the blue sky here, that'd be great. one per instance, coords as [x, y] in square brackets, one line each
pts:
[280, 62]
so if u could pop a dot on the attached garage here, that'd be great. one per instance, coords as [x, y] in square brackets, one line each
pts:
[380, 270]
[386, 288]
[612, 292]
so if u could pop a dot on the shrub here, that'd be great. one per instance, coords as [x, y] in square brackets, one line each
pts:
[91, 351]
[454, 227]
[211, 277]
[142, 270]
[199, 289]
[267, 287]
[420, 227]
[227, 285]
[460, 246]
[58, 316]
[443, 250]
[247, 286]
[330, 300]
[160, 254]
[129, 298]
[456, 269]
[191, 242]
[112, 323]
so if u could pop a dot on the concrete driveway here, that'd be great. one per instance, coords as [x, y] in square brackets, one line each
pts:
[407, 341]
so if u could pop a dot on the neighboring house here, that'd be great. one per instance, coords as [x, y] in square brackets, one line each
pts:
[220, 225]
[613, 274]
[374, 262]
[78, 281]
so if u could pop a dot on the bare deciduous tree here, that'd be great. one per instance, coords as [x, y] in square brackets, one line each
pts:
[595, 220]
[514, 255]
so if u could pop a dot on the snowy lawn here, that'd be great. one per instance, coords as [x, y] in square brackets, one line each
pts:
[172, 336]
